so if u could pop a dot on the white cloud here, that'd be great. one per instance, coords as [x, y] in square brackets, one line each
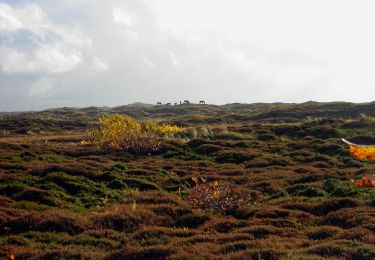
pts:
[132, 35]
[33, 18]
[48, 58]
[8, 22]
[174, 60]
[101, 64]
[122, 17]
[126, 20]
[41, 87]
[36, 45]
[147, 62]
[236, 60]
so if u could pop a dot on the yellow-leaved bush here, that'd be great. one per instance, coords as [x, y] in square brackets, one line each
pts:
[121, 132]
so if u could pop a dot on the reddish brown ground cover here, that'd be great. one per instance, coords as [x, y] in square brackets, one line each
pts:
[288, 186]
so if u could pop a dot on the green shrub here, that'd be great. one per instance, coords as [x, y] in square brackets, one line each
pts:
[266, 137]
[340, 189]
[233, 156]
[208, 148]
[332, 149]
[305, 190]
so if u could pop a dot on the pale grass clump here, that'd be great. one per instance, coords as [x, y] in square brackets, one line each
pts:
[200, 132]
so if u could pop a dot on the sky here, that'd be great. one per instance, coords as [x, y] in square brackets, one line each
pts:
[78, 53]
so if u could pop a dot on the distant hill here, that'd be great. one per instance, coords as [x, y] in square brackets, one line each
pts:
[186, 114]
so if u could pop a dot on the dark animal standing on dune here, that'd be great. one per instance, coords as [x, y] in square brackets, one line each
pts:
[186, 102]
[159, 103]
[202, 102]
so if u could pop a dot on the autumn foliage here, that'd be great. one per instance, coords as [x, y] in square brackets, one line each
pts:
[363, 152]
[121, 132]
[217, 197]
[367, 180]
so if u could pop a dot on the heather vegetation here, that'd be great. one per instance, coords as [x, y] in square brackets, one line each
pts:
[261, 181]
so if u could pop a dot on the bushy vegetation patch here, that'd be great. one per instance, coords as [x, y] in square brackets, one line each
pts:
[120, 132]
[217, 197]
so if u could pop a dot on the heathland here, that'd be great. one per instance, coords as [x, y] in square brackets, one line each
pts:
[241, 181]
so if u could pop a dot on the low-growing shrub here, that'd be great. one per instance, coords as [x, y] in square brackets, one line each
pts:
[259, 231]
[258, 162]
[339, 188]
[323, 132]
[233, 156]
[216, 197]
[121, 132]
[227, 135]
[363, 139]
[331, 149]
[47, 221]
[266, 137]
[119, 221]
[267, 187]
[305, 190]
[155, 252]
[347, 218]
[323, 232]
[192, 220]
[36, 195]
[140, 184]
[331, 205]
[208, 148]
[358, 234]
[226, 225]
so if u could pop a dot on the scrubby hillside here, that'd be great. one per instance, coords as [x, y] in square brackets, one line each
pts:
[59, 198]
[186, 114]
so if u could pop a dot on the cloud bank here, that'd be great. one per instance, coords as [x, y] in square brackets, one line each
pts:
[91, 52]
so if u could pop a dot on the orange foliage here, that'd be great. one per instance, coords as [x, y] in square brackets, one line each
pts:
[366, 181]
[362, 152]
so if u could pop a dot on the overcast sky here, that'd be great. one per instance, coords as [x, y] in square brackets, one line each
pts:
[107, 53]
